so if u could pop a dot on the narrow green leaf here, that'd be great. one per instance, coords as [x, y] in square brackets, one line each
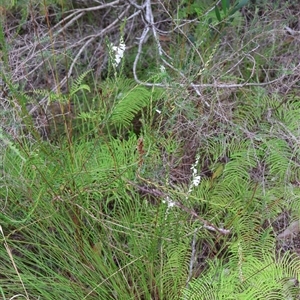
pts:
[238, 5]
[228, 4]
[225, 6]
[217, 12]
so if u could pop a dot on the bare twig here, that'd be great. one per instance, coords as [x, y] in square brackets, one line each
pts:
[158, 193]
[102, 33]
[193, 257]
[149, 22]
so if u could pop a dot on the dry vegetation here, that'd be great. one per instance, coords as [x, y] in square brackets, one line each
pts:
[217, 82]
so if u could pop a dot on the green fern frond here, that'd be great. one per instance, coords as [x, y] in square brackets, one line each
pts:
[247, 277]
[128, 104]
[106, 163]
[278, 157]
[52, 96]
[121, 99]
[175, 269]
[61, 98]
[77, 84]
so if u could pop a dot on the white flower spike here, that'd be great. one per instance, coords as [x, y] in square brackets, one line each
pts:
[118, 52]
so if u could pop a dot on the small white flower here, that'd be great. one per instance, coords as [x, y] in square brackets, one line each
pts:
[118, 53]
[169, 202]
[162, 69]
[196, 180]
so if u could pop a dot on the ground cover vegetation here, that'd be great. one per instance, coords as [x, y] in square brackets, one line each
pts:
[149, 149]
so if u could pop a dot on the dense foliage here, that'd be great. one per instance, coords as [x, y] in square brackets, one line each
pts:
[149, 150]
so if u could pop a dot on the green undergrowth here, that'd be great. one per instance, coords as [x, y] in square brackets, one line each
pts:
[115, 190]
[89, 219]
